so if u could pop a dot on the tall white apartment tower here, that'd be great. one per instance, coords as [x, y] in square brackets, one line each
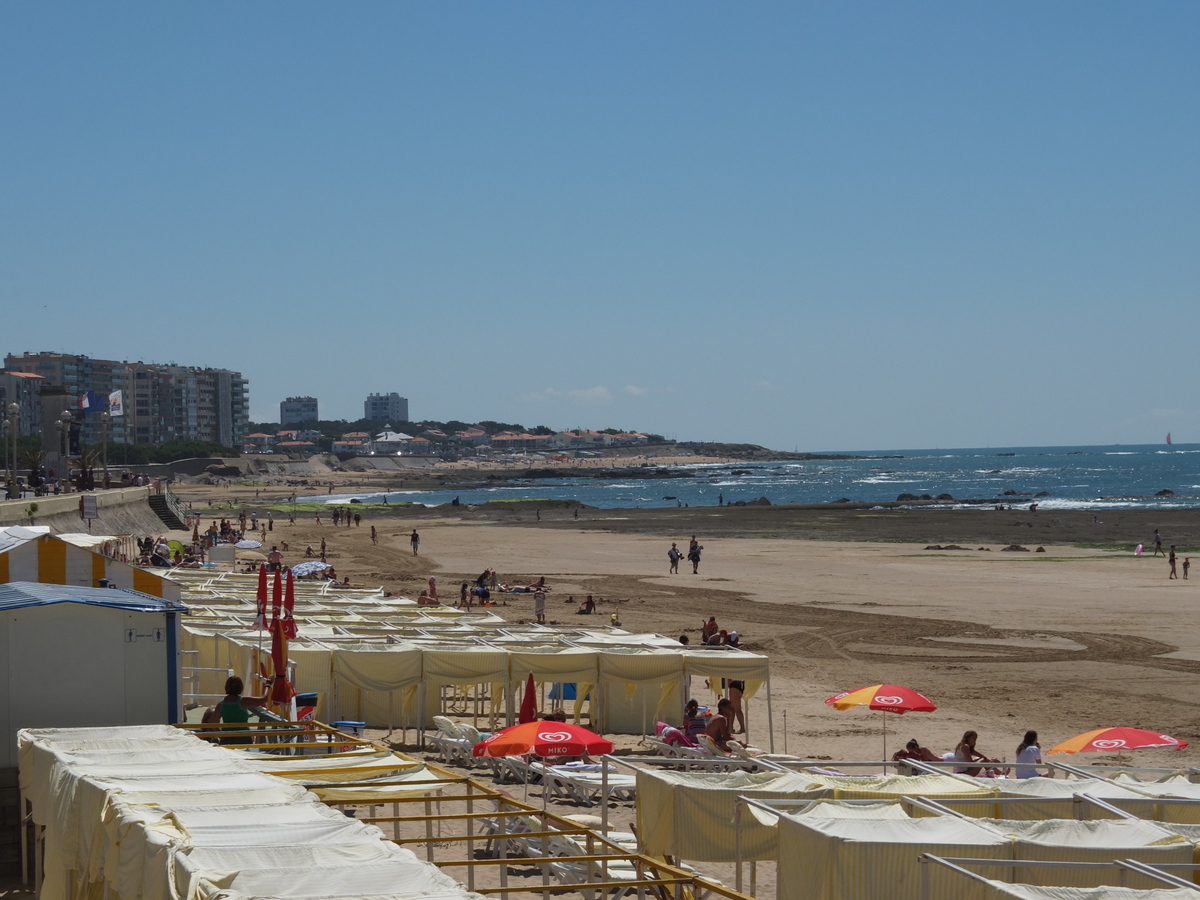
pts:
[391, 407]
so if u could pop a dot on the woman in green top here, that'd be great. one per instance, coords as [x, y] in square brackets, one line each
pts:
[236, 709]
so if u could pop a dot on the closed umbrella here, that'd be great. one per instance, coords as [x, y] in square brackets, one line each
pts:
[260, 615]
[289, 607]
[276, 598]
[885, 698]
[528, 702]
[281, 689]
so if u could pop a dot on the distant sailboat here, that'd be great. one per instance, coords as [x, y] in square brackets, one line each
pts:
[1168, 439]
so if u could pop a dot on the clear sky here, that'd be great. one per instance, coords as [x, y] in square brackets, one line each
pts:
[827, 225]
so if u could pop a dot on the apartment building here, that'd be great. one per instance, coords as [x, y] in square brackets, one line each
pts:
[162, 402]
[295, 410]
[390, 407]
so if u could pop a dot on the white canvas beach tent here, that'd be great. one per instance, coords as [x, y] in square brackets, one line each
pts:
[397, 679]
[153, 812]
[833, 858]
[692, 815]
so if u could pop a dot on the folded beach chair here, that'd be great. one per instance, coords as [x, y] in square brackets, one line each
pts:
[450, 742]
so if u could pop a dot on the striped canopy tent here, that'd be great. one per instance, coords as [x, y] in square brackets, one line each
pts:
[33, 554]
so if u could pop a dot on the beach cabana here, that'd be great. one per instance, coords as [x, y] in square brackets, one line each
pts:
[76, 656]
[154, 812]
[33, 554]
[835, 858]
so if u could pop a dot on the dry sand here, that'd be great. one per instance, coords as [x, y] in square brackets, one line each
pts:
[1060, 642]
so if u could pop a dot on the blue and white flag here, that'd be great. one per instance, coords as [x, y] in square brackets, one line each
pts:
[91, 402]
[115, 405]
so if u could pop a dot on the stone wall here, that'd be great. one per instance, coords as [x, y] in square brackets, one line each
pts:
[122, 511]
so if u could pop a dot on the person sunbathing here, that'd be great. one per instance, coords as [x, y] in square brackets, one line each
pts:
[587, 607]
[966, 752]
[914, 750]
[718, 727]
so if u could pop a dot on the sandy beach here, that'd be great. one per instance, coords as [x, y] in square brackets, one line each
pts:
[1061, 641]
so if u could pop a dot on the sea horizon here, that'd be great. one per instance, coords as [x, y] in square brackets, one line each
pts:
[1055, 477]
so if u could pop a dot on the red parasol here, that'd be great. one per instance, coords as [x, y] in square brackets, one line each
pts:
[528, 702]
[289, 606]
[260, 615]
[544, 739]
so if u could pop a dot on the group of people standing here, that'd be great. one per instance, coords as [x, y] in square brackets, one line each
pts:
[693, 556]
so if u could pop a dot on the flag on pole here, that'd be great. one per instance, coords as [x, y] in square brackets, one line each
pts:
[116, 406]
[91, 402]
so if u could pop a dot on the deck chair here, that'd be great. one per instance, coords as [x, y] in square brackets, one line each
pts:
[575, 873]
[709, 746]
[450, 743]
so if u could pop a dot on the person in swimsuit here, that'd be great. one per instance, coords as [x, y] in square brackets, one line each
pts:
[966, 752]
[718, 726]
[914, 750]
[693, 722]
[236, 709]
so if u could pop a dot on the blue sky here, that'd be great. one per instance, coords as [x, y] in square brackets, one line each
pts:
[823, 226]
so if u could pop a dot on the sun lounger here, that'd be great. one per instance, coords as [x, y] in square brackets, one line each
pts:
[451, 744]
[585, 784]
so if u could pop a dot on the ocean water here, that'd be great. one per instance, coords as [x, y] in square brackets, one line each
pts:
[1073, 477]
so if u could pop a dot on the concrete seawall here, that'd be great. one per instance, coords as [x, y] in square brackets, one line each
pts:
[122, 511]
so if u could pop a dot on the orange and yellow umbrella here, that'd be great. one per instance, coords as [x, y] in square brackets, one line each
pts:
[884, 697]
[1107, 739]
[887, 697]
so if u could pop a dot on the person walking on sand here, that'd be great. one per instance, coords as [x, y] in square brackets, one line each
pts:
[374, 536]
[1157, 543]
[674, 556]
[415, 540]
[1187, 564]
[1171, 562]
[693, 555]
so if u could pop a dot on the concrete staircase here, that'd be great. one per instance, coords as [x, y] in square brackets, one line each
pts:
[162, 508]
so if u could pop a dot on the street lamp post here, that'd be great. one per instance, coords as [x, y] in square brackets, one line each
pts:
[104, 417]
[14, 420]
[64, 431]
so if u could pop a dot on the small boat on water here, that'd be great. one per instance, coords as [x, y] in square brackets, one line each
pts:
[1168, 439]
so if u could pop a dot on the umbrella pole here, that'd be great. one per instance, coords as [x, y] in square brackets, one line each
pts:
[882, 713]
